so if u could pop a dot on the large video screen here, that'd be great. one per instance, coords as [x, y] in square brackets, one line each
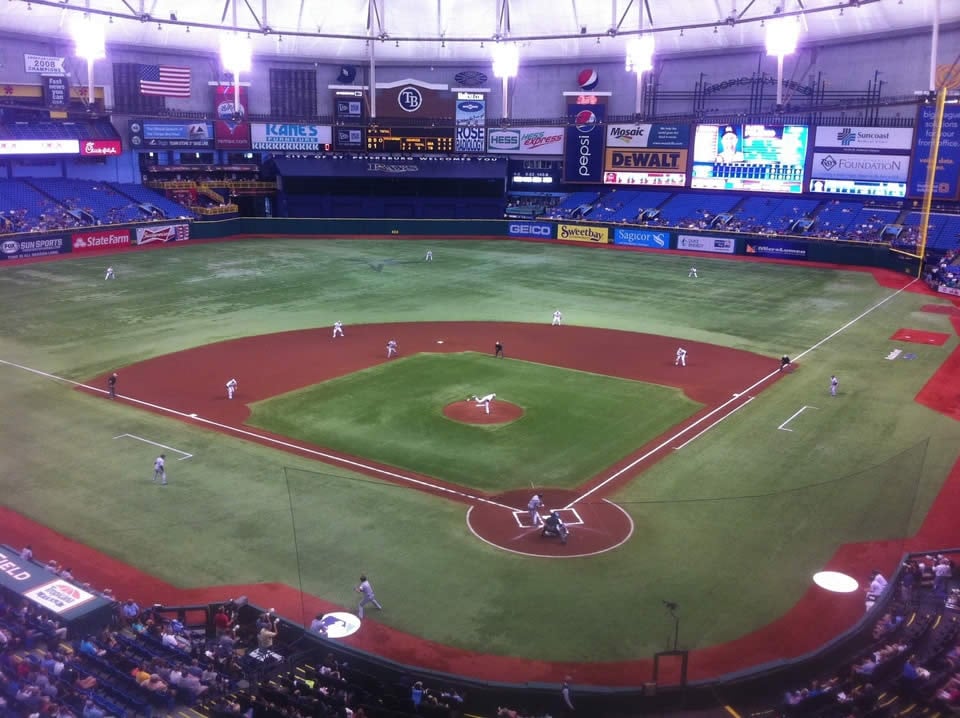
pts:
[759, 158]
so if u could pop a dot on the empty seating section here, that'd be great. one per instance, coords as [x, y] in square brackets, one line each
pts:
[97, 198]
[18, 199]
[99, 130]
[836, 217]
[620, 205]
[770, 214]
[145, 195]
[696, 209]
[868, 223]
[572, 202]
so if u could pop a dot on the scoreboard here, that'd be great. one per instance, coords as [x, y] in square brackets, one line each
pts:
[410, 139]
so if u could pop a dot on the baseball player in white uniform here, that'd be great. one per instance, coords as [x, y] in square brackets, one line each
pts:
[429, 257]
[533, 507]
[693, 273]
[391, 348]
[484, 401]
[681, 359]
[834, 385]
[337, 329]
[231, 388]
[110, 274]
[160, 469]
[557, 318]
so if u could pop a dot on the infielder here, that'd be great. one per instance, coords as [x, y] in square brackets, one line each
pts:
[834, 385]
[112, 385]
[160, 470]
[337, 329]
[231, 388]
[368, 596]
[498, 349]
[693, 273]
[391, 348]
[681, 359]
[557, 318]
[533, 507]
[484, 401]
[110, 274]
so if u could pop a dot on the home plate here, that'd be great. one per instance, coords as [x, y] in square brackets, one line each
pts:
[439, 341]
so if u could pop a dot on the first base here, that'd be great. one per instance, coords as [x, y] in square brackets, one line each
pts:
[439, 341]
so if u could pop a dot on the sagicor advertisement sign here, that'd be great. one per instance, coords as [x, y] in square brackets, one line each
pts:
[655, 239]
[583, 155]
[946, 179]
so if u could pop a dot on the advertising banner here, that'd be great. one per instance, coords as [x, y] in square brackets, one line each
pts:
[946, 179]
[44, 64]
[777, 248]
[106, 239]
[230, 129]
[56, 92]
[648, 135]
[583, 233]
[654, 238]
[538, 230]
[880, 168]
[952, 291]
[350, 138]
[527, 141]
[414, 99]
[697, 243]
[160, 134]
[39, 147]
[583, 156]
[858, 140]
[24, 248]
[470, 118]
[645, 160]
[349, 106]
[163, 233]
[290, 137]
[59, 596]
[101, 148]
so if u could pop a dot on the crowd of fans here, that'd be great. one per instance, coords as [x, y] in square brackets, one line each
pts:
[914, 658]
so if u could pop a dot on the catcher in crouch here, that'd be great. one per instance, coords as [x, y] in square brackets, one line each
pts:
[554, 526]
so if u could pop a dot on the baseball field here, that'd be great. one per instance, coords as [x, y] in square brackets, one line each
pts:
[722, 486]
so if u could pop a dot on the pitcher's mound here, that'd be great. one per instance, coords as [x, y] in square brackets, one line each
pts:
[467, 412]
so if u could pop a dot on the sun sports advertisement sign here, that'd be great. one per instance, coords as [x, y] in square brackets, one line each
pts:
[471, 116]
[527, 141]
[583, 153]
[163, 233]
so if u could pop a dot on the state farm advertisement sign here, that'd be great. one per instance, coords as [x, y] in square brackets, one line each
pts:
[100, 148]
[107, 239]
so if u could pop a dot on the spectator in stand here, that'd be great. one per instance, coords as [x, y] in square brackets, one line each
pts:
[942, 572]
[27, 553]
[130, 611]
[222, 621]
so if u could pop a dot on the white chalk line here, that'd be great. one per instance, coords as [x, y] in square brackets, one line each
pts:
[783, 426]
[271, 440]
[659, 447]
[722, 418]
[185, 455]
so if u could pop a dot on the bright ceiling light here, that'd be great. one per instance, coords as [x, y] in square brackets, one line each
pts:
[506, 60]
[783, 33]
[88, 37]
[640, 54]
[235, 53]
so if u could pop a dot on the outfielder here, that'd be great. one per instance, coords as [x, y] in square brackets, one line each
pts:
[110, 274]
[834, 385]
[429, 257]
[681, 359]
[693, 273]
[337, 329]
[484, 401]
[231, 388]
[391, 348]
[557, 318]
[160, 470]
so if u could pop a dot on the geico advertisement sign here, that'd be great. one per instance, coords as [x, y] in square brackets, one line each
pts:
[581, 233]
[530, 229]
[645, 160]
[90, 241]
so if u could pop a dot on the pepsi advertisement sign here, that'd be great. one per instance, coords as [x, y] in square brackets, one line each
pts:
[583, 156]
[655, 239]
[535, 230]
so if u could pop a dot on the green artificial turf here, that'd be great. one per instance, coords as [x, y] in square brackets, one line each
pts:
[574, 423]
[730, 527]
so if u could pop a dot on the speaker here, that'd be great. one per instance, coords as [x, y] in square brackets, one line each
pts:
[347, 74]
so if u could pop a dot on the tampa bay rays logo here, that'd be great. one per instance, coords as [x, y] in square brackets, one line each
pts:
[409, 99]
[846, 136]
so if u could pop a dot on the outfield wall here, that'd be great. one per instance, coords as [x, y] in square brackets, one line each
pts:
[689, 241]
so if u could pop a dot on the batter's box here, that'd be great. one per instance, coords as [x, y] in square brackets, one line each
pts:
[569, 516]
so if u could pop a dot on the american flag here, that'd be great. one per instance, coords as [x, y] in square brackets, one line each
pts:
[165, 80]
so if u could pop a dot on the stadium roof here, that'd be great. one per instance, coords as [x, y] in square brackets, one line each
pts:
[441, 31]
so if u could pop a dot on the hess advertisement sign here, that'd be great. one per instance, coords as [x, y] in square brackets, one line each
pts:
[583, 156]
[526, 141]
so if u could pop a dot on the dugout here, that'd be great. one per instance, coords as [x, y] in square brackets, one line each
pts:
[396, 186]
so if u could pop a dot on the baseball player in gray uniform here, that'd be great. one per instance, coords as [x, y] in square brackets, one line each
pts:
[368, 596]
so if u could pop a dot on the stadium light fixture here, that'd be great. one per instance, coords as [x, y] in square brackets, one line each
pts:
[236, 56]
[506, 60]
[88, 37]
[783, 33]
[640, 54]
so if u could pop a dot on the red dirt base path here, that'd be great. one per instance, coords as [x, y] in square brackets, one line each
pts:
[920, 336]
[467, 412]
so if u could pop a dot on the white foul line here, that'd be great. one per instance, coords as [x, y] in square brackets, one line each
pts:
[162, 446]
[725, 416]
[272, 440]
[620, 472]
[782, 426]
